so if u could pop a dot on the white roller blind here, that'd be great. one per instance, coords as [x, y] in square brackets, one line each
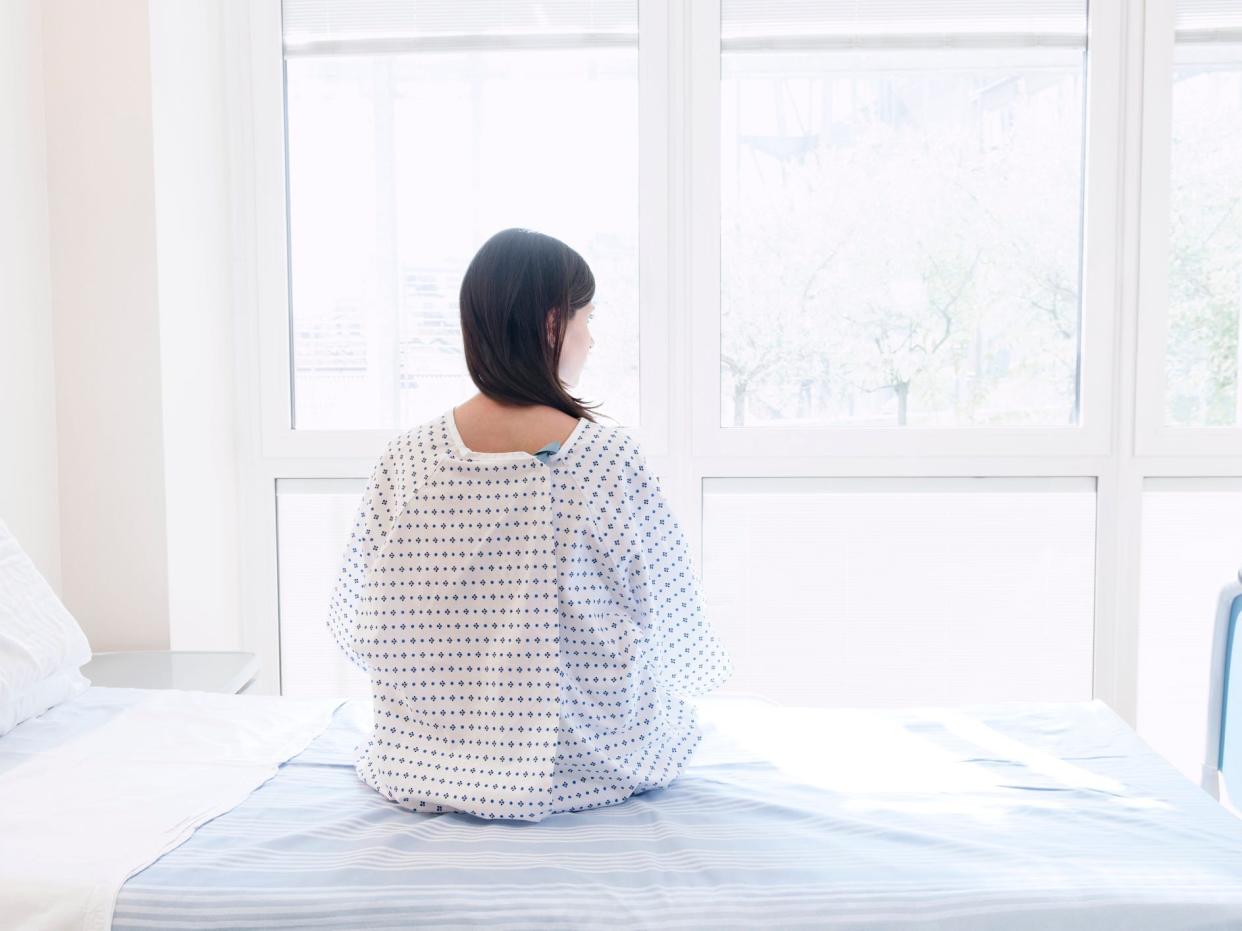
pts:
[377, 26]
[1209, 20]
[747, 24]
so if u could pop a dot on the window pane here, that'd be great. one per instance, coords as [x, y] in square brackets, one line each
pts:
[1191, 548]
[406, 150]
[1205, 272]
[901, 214]
[889, 592]
[313, 520]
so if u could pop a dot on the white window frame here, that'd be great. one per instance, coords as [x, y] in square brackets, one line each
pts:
[265, 96]
[679, 92]
[1154, 436]
[1091, 436]
[270, 448]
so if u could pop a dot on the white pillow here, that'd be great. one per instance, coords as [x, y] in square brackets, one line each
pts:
[40, 697]
[39, 638]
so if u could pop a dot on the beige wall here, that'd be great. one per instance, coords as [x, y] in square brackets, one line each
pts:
[97, 80]
[118, 467]
[140, 267]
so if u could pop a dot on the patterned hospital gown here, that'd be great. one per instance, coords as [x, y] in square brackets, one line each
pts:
[532, 625]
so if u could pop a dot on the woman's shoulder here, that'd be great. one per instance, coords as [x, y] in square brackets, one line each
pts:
[416, 448]
[614, 453]
[428, 435]
[627, 443]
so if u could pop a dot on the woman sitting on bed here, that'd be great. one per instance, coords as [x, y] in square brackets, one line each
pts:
[515, 584]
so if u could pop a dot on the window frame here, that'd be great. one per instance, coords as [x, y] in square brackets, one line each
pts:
[1091, 436]
[265, 94]
[1154, 436]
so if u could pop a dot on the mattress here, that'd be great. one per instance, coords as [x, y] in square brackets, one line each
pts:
[1009, 816]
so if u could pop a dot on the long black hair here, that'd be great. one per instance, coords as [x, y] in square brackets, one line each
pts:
[516, 279]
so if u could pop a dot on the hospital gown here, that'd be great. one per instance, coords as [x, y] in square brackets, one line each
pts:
[532, 625]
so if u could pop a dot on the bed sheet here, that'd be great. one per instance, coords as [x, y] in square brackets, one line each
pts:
[1013, 816]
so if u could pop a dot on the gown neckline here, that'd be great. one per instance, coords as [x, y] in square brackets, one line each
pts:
[554, 448]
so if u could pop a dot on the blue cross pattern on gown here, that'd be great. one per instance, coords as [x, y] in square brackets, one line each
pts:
[532, 625]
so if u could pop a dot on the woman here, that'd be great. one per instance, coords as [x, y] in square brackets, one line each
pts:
[515, 584]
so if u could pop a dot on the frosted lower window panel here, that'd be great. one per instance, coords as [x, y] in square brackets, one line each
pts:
[872, 592]
[887, 592]
[1191, 547]
[313, 519]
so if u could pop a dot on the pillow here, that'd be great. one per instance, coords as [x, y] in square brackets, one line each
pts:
[40, 697]
[39, 638]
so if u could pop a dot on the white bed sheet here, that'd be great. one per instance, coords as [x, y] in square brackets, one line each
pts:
[89, 801]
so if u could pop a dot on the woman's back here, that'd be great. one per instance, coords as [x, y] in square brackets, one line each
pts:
[531, 623]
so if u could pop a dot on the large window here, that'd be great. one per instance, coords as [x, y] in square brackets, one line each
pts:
[901, 208]
[927, 314]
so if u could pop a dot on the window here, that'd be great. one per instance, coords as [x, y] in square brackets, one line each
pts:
[1192, 547]
[417, 130]
[901, 210]
[826, 591]
[1205, 241]
[891, 591]
[313, 518]
[900, 270]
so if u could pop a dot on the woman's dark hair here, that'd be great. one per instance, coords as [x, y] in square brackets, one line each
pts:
[515, 280]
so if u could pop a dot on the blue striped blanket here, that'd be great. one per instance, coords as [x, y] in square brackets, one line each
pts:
[1016, 816]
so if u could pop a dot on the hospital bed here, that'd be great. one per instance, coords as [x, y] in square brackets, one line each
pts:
[1004, 816]
[1008, 816]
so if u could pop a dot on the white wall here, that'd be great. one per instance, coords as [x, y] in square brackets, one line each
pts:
[192, 230]
[28, 498]
[101, 197]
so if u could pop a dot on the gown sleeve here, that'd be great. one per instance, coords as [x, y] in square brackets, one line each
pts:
[665, 589]
[382, 501]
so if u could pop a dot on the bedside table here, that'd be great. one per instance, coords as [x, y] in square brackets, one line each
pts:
[194, 671]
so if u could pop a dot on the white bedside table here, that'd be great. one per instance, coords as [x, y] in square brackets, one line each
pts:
[193, 671]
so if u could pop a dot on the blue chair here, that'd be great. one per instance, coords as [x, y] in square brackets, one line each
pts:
[1224, 732]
